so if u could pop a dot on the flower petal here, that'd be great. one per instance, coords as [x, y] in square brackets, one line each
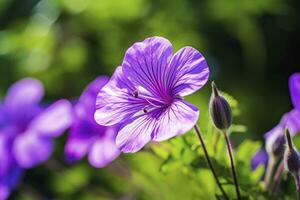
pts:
[176, 120]
[24, 93]
[30, 149]
[81, 137]
[88, 98]
[4, 155]
[188, 71]
[2, 116]
[146, 64]
[259, 158]
[115, 102]
[274, 139]
[291, 120]
[4, 191]
[136, 133]
[294, 83]
[54, 120]
[10, 181]
[104, 150]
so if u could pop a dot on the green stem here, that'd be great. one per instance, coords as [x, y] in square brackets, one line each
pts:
[216, 142]
[229, 148]
[297, 181]
[198, 132]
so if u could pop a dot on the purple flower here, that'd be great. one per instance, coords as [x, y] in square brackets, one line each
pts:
[88, 137]
[146, 93]
[27, 130]
[291, 120]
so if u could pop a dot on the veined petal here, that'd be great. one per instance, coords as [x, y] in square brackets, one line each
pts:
[116, 102]
[104, 150]
[30, 149]
[23, 94]
[176, 120]
[54, 120]
[294, 83]
[136, 133]
[188, 71]
[146, 64]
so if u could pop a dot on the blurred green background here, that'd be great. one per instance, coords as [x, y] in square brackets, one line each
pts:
[251, 46]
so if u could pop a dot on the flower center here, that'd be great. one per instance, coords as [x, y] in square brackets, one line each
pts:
[153, 102]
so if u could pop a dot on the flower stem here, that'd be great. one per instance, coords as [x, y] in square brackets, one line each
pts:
[229, 148]
[297, 181]
[269, 171]
[277, 177]
[198, 132]
[216, 142]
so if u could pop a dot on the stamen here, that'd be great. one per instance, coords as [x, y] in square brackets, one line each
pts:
[179, 97]
[135, 94]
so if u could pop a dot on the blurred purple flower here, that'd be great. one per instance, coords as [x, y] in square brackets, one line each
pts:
[88, 137]
[27, 130]
[146, 93]
[275, 137]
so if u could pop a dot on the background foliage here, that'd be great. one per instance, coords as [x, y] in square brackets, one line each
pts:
[251, 46]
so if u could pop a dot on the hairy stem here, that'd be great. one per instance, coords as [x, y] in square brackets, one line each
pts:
[229, 148]
[198, 132]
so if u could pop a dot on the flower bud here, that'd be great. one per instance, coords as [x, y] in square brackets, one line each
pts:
[291, 156]
[278, 146]
[220, 110]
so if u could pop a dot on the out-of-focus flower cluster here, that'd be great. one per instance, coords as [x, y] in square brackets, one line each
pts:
[27, 130]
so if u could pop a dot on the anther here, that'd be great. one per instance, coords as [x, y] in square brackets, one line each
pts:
[135, 93]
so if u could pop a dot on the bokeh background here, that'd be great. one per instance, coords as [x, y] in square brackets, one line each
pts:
[252, 47]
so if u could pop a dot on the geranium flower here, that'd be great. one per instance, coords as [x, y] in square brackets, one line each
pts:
[275, 138]
[27, 130]
[146, 93]
[88, 137]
